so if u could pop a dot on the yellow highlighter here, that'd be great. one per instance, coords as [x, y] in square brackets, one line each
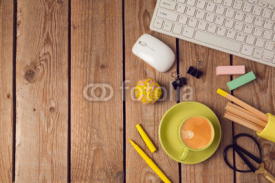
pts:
[146, 139]
[150, 162]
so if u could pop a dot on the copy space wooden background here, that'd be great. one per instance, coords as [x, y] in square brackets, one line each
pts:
[49, 132]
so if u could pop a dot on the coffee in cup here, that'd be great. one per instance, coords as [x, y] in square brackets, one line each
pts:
[196, 134]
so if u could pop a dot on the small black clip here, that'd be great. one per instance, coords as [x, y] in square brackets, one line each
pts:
[195, 71]
[179, 82]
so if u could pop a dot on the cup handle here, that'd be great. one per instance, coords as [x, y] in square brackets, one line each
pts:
[184, 154]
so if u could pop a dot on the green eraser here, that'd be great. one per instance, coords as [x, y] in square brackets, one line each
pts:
[241, 80]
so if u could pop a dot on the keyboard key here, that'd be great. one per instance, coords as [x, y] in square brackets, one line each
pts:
[247, 7]
[219, 20]
[201, 4]
[221, 31]
[258, 32]
[266, 13]
[262, 4]
[267, 59]
[269, 45]
[190, 11]
[258, 53]
[158, 23]
[249, 18]
[268, 24]
[248, 28]
[181, 8]
[257, 10]
[177, 29]
[260, 43]
[239, 15]
[167, 15]
[200, 14]
[229, 13]
[237, 5]
[210, 17]
[188, 32]
[231, 34]
[167, 4]
[220, 10]
[268, 53]
[222, 43]
[250, 39]
[267, 35]
[202, 25]
[274, 37]
[167, 26]
[247, 50]
[192, 22]
[181, 1]
[240, 37]
[259, 22]
[210, 7]
[212, 28]
[229, 23]
[227, 2]
[183, 19]
[191, 2]
[238, 26]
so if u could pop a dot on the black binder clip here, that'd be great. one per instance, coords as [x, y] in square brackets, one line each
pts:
[195, 71]
[179, 82]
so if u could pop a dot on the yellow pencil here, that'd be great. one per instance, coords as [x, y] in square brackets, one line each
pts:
[146, 139]
[150, 162]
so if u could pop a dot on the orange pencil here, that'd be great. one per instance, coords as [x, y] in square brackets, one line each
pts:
[243, 122]
[258, 113]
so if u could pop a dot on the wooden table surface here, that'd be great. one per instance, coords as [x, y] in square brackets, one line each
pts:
[52, 54]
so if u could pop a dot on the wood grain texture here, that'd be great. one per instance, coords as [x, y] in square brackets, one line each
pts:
[6, 89]
[42, 91]
[260, 94]
[204, 90]
[97, 58]
[138, 14]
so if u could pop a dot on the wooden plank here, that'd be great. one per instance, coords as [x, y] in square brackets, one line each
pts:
[137, 15]
[259, 94]
[42, 91]
[6, 90]
[204, 90]
[97, 58]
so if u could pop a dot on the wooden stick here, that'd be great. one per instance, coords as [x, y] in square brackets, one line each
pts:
[245, 116]
[241, 109]
[243, 122]
[258, 113]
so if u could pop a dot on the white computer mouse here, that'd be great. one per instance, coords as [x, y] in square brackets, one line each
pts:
[154, 52]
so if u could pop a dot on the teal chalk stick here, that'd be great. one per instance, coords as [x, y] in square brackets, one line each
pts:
[241, 80]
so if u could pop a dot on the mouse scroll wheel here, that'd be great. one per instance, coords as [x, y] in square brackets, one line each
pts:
[142, 43]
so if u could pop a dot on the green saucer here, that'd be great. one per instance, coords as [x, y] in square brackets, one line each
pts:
[169, 133]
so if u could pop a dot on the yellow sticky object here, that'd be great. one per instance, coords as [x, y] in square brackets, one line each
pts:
[146, 139]
[150, 163]
[221, 92]
[147, 91]
[268, 131]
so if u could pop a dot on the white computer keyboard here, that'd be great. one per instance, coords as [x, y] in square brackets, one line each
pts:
[244, 28]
